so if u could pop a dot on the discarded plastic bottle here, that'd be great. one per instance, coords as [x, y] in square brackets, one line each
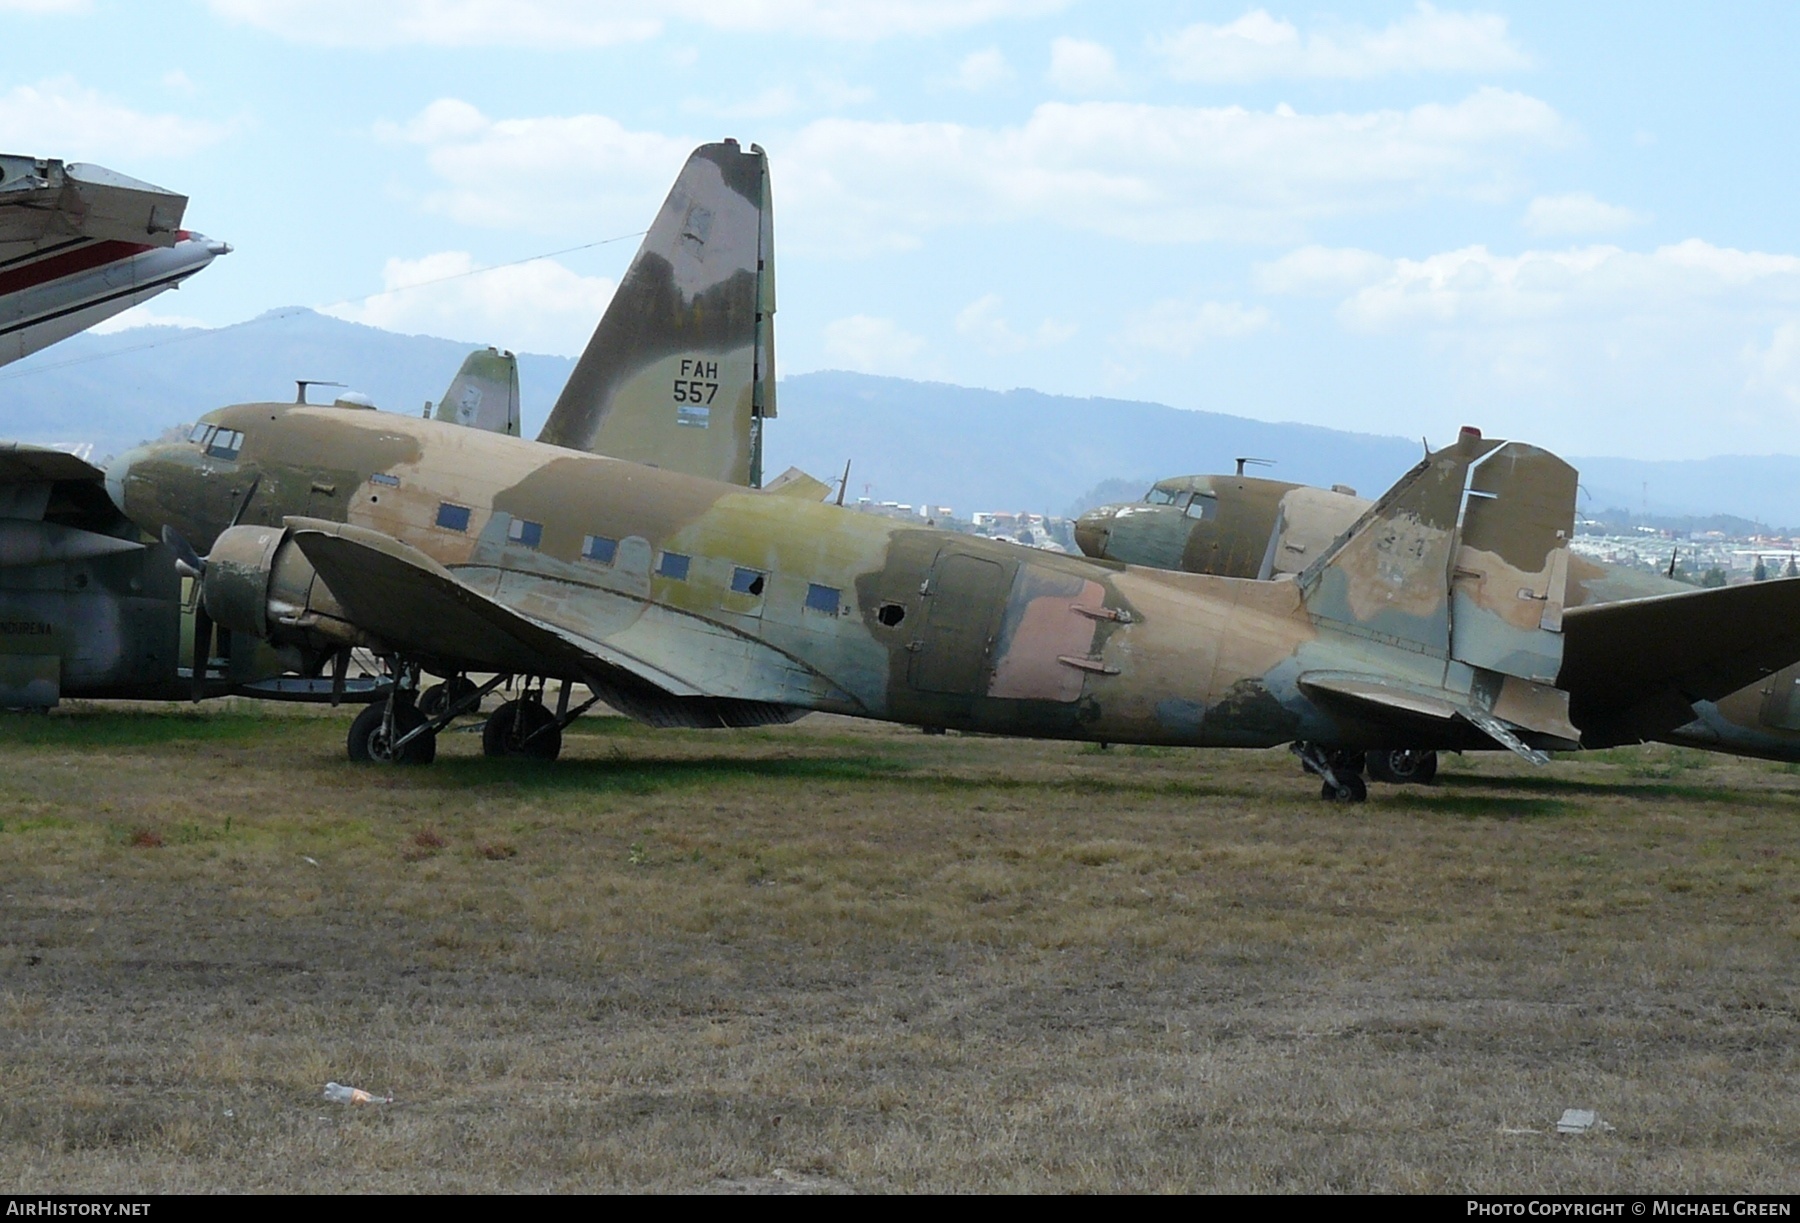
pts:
[337, 1093]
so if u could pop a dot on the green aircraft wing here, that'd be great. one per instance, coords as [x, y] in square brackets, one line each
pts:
[1636, 667]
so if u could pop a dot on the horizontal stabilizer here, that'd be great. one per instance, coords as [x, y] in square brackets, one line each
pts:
[1638, 663]
[1382, 698]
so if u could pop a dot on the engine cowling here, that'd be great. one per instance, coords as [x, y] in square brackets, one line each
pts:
[259, 582]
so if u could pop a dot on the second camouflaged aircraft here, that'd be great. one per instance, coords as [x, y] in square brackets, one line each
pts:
[1645, 657]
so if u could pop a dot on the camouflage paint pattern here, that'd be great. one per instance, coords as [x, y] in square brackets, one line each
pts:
[685, 599]
[1294, 522]
[680, 372]
[485, 393]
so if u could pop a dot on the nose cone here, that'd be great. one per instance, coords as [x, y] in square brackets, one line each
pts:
[1092, 530]
[117, 472]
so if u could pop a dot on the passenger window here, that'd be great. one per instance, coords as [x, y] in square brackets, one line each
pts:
[528, 533]
[822, 599]
[1204, 506]
[673, 565]
[225, 444]
[599, 548]
[453, 517]
[746, 581]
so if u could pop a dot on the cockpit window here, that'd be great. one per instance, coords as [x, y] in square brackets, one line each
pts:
[1204, 506]
[225, 444]
[1161, 496]
[198, 436]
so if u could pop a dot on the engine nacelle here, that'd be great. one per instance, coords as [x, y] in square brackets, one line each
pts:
[259, 582]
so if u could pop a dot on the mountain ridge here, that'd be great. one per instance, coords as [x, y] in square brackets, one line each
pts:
[909, 441]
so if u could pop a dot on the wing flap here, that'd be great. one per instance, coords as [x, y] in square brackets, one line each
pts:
[399, 594]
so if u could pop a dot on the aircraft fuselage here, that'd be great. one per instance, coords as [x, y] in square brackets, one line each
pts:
[766, 598]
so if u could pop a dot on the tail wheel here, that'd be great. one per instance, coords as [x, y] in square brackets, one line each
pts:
[522, 730]
[1350, 788]
[370, 739]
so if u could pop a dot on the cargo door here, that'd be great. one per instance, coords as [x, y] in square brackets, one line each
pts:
[964, 598]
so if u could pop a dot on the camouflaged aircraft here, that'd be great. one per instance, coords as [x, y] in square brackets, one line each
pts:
[687, 601]
[1706, 669]
[89, 608]
[657, 573]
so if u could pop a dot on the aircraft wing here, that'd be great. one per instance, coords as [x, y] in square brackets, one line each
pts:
[24, 463]
[80, 243]
[399, 594]
[1634, 668]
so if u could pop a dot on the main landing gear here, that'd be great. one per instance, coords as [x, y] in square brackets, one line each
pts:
[1403, 766]
[1341, 771]
[403, 729]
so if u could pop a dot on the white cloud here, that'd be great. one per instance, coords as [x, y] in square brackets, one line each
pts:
[1151, 173]
[602, 23]
[61, 118]
[1165, 174]
[143, 316]
[1692, 348]
[540, 306]
[575, 173]
[982, 322]
[1557, 216]
[1082, 67]
[983, 70]
[872, 345]
[1320, 270]
[1257, 46]
[1474, 286]
[1178, 328]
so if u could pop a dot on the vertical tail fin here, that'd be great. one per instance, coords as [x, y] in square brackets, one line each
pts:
[1389, 574]
[1462, 566]
[484, 393]
[680, 373]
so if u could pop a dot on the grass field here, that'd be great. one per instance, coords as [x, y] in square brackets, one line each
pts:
[843, 956]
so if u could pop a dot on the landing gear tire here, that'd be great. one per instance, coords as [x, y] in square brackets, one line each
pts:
[439, 697]
[370, 741]
[522, 730]
[1403, 767]
[1350, 788]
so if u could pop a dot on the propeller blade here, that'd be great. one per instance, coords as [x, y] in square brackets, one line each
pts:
[185, 556]
[203, 634]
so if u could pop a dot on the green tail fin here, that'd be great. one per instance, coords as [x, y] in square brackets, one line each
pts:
[485, 393]
[680, 373]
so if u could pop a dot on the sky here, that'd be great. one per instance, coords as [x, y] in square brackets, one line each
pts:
[1568, 224]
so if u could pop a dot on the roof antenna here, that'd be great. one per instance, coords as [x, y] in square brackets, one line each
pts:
[1672, 557]
[1258, 462]
[844, 483]
[300, 385]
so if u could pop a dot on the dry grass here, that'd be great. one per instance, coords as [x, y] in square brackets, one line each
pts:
[839, 955]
